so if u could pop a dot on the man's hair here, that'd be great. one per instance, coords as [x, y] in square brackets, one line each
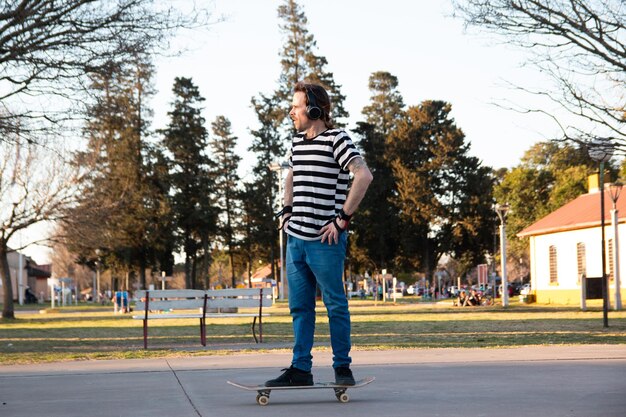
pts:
[321, 98]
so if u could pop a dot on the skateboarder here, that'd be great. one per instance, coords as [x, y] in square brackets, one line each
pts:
[317, 210]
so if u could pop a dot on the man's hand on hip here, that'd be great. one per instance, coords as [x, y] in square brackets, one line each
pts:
[330, 232]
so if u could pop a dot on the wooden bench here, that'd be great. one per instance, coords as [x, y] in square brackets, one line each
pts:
[179, 304]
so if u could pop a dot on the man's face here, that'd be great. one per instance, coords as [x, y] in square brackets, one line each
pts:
[298, 112]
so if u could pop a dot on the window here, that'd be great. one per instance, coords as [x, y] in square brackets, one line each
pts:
[553, 270]
[581, 258]
[610, 260]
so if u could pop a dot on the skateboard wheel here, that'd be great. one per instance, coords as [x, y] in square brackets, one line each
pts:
[262, 399]
[343, 397]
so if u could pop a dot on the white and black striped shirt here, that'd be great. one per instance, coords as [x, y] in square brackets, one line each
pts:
[320, 180]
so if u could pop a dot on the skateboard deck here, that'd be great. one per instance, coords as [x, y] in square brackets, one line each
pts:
[263, 392]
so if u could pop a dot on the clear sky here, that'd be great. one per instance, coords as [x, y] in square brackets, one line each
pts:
[417, 41]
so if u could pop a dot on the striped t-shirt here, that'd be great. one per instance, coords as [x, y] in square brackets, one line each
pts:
[320, 180]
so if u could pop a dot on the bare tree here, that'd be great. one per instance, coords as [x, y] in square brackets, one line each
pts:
[36, 186]
[580, 44]
[47, 47]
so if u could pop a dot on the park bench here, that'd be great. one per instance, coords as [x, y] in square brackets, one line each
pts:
[200, 304]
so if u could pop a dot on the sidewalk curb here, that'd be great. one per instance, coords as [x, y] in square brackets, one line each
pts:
[324, 359]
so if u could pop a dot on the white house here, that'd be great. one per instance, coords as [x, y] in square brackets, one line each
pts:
[34, 277]
[566, 244]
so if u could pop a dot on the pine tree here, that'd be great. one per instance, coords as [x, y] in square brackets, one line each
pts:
[247, 230]
[387, 104]
[299, 61]
[268, 147]
[120, 202]
[161, 255]
[226, 181]
[185, 138]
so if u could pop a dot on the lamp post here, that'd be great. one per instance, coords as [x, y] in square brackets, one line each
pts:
[20, 279]
[278, 168]
[615, 189]
[601, 150]
[502, 210]
[97, 297]
[490, 275]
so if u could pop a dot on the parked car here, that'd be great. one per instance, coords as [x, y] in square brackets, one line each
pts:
[526, 289]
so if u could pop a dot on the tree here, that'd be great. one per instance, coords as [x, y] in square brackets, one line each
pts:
[299, 62]
[387, 105]
[580, 44]
[186, 138]
[443, 195]
[64, 265]
[163, 224]
[250, 227]
[122, 202]
[568, 166]
[376, 226]
[549, 175]
[37, 186]
[226, 180]
[50, 48]
[268, 146]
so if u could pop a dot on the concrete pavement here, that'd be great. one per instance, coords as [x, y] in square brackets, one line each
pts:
[527, 381]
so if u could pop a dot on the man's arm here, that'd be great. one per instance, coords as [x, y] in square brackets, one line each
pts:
[362, 179]
[288, 195]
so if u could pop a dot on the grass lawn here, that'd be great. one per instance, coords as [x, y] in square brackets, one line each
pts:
[94, 332]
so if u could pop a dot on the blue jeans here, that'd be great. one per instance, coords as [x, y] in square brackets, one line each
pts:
[310, 263]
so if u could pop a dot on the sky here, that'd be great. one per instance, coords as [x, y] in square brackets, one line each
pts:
[419, 42]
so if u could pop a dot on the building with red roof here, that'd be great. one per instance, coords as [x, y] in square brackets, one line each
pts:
[566, 244]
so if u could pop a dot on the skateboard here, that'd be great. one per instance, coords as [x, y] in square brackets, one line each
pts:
[263, 392]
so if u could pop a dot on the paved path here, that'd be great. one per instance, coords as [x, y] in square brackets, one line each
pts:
[529, 381]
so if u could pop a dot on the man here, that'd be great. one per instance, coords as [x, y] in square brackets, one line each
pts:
[317, 211]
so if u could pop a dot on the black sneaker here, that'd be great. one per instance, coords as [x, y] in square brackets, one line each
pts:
[343, 376]
[292, 377]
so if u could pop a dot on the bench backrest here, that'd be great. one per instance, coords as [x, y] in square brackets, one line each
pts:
[239, 297]
[191, 299]
[170, 299]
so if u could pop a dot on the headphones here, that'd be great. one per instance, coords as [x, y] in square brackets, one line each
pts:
[313, 111]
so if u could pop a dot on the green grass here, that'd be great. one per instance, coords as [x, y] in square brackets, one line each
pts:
[94, 332]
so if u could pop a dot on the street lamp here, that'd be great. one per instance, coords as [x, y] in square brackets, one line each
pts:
[491, 275]
[278, 168]
[615, 189]
[97, 286]
[601, 150]
[502, 210]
